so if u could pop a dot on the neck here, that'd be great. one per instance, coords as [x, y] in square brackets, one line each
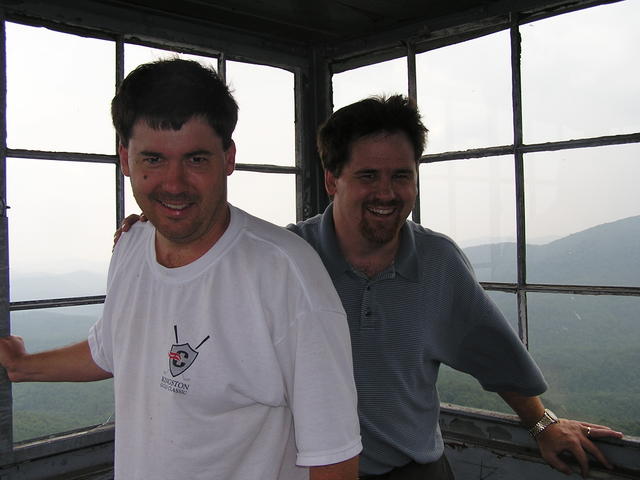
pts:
[172, 254]
[370, 259]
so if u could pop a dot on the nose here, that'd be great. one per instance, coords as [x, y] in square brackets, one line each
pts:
[385, 189]
[175, 178]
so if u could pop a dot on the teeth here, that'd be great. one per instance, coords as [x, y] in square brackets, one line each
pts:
[382, 211]
[180, 206]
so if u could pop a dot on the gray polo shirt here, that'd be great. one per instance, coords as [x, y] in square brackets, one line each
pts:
[425, 309]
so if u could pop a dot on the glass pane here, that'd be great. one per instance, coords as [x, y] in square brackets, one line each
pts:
[583, 216]
[473, 202]
[59, 89]
[385, 78]
[587, 348]
[135, 55]
[508, 305]
[462, 389]
[61, 225]
[464, 94]
[580, 75]
[130, 204]
[266, 120]
[270, 196]
[41, 409]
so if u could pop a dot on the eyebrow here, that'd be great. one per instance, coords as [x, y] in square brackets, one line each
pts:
[375, 170]
[150, 153]
[197, 152]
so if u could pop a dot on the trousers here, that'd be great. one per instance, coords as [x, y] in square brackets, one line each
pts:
[438, 470]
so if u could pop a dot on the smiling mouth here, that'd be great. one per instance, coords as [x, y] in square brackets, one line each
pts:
[175, 206]
[383, 211]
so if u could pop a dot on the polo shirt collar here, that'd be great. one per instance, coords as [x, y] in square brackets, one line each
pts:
[406, 262]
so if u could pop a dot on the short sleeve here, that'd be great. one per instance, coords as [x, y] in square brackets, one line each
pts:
[491, 351]
[317, 366]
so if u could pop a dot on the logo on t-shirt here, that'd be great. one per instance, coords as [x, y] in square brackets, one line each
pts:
[182, 355]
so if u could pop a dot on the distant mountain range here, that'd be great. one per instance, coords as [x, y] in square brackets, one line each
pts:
[607, 254]
[73, 284]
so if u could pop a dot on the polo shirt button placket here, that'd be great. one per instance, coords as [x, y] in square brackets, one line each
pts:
[366, 318]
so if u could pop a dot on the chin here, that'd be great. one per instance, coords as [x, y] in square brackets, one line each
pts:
[380, 235]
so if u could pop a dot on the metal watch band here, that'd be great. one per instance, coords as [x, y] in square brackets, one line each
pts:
[548, 418]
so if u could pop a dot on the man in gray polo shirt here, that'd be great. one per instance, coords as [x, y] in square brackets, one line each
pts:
[413, 302]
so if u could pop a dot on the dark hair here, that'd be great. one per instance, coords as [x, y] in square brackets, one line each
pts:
[167, 93]
[364, 118]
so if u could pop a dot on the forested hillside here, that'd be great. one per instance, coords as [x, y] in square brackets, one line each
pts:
[587, 346]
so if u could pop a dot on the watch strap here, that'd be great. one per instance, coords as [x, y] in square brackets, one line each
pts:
[548, 418]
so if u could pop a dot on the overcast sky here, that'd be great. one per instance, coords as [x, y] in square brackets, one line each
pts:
[581, 78]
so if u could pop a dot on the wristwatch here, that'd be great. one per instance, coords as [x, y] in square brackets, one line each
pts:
[549, 418]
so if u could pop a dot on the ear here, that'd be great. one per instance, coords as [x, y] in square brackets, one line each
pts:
[123, 153]
[230, 158]
[330, 183]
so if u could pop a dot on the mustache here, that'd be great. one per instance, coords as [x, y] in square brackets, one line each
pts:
[383, 204]
[174, 198]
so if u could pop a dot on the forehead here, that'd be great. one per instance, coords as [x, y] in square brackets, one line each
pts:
[194, 130]
[382, 150]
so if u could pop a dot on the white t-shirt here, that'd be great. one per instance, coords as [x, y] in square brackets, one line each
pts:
[236, 366]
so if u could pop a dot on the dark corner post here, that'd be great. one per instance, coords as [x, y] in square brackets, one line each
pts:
[119, 179]
[6, 405]
[516, 50]
[412, 93]
[313, 106]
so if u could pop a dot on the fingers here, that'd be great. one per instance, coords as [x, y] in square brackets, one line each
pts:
[555, 462]
[593, 430]
[574, 438]
[595, 451]
[129, 221]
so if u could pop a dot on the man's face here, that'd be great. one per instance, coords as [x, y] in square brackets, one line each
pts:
[179, 179]
[376, 190]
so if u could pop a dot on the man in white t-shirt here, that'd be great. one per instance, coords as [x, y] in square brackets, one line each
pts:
[227, 342]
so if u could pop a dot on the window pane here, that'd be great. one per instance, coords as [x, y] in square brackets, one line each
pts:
[266, 120]
[464, 94]
[462, 389]
[41, 409]
[61, 225]
[130, 204]
[583, 216]
[59, 89]
[385, 78]
[580, 75]
[587, 347]
[473, 201]
[270, 196]
[135, 55]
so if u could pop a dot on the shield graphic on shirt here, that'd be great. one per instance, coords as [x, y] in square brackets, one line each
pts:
[181, 357]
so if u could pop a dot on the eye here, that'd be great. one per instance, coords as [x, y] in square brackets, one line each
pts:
[151, 160]
[366, 176]
[198, 160]
[403, 175]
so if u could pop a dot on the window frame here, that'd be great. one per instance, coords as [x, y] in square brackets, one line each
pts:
[312, 89]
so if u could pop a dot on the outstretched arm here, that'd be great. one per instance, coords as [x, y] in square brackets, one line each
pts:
[347, 470]
[68, 364]
[564, 436]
